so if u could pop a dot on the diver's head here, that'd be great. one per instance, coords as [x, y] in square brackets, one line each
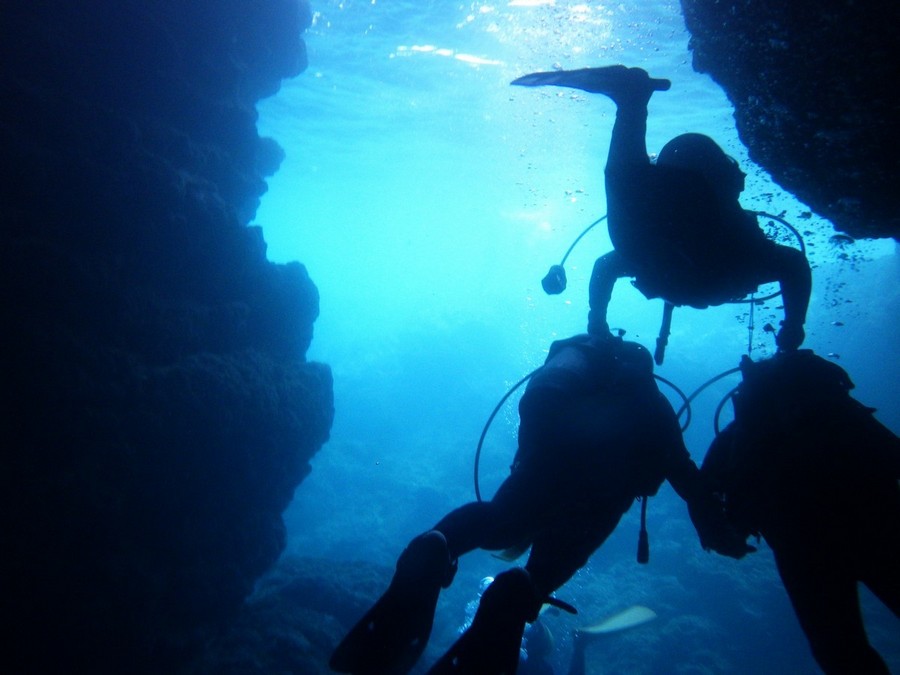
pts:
[696, 152]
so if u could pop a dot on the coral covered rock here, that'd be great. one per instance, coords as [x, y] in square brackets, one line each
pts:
[161, 410]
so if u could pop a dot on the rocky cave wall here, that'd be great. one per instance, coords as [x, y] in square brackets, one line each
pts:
[160, 410]
[813, 87]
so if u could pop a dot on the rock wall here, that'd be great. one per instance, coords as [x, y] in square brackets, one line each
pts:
[813, 83]
[160, 410]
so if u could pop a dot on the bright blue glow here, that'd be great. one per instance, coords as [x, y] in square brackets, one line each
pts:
[427, 198]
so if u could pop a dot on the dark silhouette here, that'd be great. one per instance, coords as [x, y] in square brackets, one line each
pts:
[810, 469]
[677, 226]
[595, 433]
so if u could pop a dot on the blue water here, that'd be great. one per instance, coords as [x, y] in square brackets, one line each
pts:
[427, 198]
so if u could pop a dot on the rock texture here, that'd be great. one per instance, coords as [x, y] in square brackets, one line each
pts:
[159, 408]
[294, 618]
[813, 83]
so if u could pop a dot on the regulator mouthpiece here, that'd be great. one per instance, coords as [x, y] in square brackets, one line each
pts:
[555, 281]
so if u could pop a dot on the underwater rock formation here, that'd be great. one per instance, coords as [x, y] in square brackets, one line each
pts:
[160, 409]
[294, 618]
[813, 87]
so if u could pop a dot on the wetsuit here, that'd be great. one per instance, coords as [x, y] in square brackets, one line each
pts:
[683, 239]
[813, 471]
[595, 433]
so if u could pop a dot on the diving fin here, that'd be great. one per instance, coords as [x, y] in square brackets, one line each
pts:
[605, 80]
[491, 644]
[391, 636]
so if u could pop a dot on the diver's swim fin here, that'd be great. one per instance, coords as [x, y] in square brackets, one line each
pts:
[391, 636]
[608, 80]
[491, 644]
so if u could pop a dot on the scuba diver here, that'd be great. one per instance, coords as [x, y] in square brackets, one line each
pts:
[812, 471]
[594, 434]
[676, 226]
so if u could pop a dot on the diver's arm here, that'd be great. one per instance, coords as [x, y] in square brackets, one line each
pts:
[707, 512]
[791, 268]
[683, 474]
[607, 269]
[678, 467]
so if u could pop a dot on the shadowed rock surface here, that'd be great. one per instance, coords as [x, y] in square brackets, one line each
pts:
[295, 617]
[160, 409]
[816, 102]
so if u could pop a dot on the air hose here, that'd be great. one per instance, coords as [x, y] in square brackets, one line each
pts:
[490, 419]
[555, 281]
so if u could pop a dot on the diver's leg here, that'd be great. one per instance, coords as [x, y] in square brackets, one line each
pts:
[565, 547]
[526, 503]
[628, 144]
[628, 175]
[530, 494]
[516, 509]
[582, 512]
[630, 89]
[489, 525]
[558, 555]
[823, 591]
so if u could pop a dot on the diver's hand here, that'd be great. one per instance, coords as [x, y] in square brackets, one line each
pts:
[728, 543]
[716, 533]
[790, 337]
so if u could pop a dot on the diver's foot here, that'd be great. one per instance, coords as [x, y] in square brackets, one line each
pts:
[392, 635]
[625, 86]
